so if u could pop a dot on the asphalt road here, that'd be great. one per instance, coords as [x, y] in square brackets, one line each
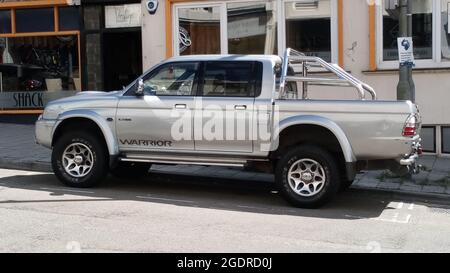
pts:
[182, 214]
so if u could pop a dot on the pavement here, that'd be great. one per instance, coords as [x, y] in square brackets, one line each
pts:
[173, 213]
[18, 151]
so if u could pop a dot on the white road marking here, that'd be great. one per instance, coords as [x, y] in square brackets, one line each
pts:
[67, 190]
[400, 205]
[395, 217]
[166, 199]
[411, 207]
[392, 220]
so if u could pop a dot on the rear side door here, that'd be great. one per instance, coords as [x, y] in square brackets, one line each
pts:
[223, 120]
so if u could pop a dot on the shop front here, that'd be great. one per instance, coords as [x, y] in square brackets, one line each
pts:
[111, 43]
[39, 54]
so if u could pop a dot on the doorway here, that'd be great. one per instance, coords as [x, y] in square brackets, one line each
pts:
[122, 58]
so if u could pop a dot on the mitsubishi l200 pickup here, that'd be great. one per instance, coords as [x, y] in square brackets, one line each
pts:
[234, 110]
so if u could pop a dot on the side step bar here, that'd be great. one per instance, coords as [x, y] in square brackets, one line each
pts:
[189, 160]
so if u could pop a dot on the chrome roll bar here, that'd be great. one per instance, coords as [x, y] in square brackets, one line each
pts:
[343, 79]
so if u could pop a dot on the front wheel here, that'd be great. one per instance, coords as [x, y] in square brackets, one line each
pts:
[307, 176]
[79, 160]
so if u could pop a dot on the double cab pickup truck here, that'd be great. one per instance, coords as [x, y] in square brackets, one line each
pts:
[251, 111]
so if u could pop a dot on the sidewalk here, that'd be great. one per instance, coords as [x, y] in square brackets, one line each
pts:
[18, 151]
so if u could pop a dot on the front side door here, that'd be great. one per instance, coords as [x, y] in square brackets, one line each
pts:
[160, 119]
[224, 113]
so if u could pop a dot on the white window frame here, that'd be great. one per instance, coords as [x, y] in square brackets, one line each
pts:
[281, 24]
[223, 24]
[333, 28]
[435, 62]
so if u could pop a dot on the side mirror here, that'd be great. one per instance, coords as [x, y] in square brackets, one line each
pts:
[140, 88]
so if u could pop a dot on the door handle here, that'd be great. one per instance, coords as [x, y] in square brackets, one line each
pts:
[240, 107]
[180, 106]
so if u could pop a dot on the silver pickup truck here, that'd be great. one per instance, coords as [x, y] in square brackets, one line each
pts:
[251, 110]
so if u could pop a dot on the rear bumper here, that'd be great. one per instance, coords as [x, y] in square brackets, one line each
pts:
[412, 158]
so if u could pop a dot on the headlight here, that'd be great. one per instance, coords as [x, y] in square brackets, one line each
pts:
[51, 112]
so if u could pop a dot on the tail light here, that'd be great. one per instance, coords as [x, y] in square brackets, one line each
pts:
[411, 126]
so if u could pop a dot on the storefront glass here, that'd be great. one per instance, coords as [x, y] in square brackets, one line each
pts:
[35, 20]
[422, 19]
[69, 18]
[5, 21]
[308, 27]
[47, 63]
[252, 28]
[38, 62]
[445, 30]
[199, 30]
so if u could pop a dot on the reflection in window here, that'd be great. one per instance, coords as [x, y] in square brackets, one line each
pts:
[41, 64]
[428, 135]
[229, 79]
[172, 80]
[422, 31]
[5, 21]
[308, 27]
[446, 140]
[199, 30]
[35, 20]
[252, 28]
[69, 18]
[445, 30]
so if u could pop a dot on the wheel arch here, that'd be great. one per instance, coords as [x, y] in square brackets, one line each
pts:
[91, 118]
[321, 131]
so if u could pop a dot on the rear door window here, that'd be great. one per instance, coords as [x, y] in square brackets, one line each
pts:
[231, 79]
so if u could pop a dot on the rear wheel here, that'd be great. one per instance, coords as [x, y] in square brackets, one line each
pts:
[131, 170]
[308, 176]
[79, 160]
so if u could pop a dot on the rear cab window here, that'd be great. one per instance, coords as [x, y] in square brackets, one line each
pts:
[231, 79]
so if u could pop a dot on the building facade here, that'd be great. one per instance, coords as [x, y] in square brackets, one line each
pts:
[53, 48]
[361, 36]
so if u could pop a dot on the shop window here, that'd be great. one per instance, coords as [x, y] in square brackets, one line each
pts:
[308, 27]
[45, 63]
[422, 29]
[199, 30]
[35, 20]
[69, 18]
[445, 30]
[252, 28]
[446, 139]
[229, 79]
[5, 21]
[428, 135]
[430, 33]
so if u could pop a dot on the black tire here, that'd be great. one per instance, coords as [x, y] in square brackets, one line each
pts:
[330, 176]
[99, 163]
[133, 170]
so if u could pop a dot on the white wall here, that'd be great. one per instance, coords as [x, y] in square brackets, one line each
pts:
[153, 35]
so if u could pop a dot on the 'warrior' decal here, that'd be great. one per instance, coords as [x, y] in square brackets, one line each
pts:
[151, 143]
